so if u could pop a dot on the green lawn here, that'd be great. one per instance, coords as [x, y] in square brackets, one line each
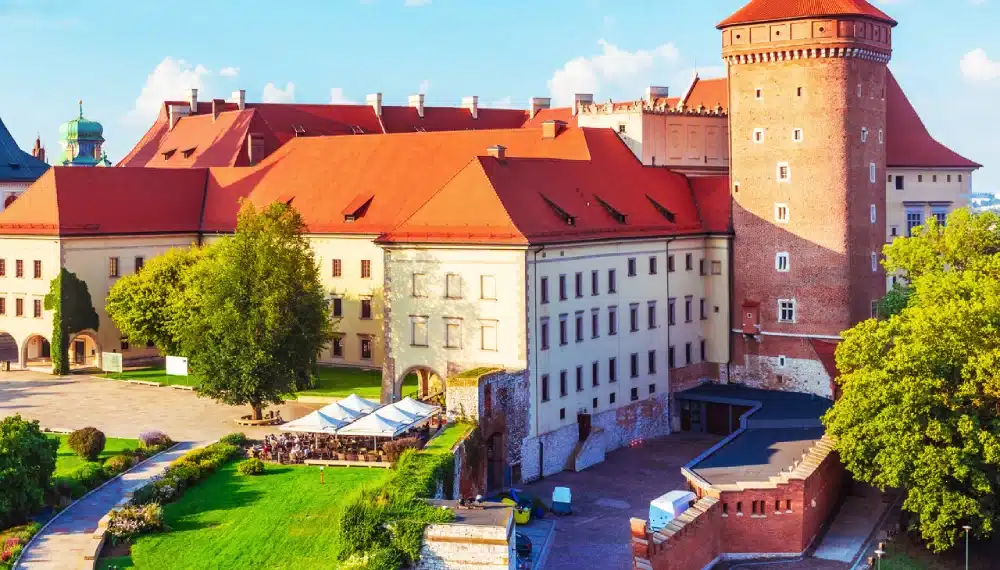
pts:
[448, 438]
[901, 562]
[282, 519]
[115, 563]
[67, 460]
[154, 374]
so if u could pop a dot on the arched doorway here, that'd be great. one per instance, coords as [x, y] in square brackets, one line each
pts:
[84, 350]
[420, 382]
[36, 352]
[8, 350]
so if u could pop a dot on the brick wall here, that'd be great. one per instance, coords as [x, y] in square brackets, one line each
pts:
[690, 542]
[692, 375]
[756, 364]
[468, 547]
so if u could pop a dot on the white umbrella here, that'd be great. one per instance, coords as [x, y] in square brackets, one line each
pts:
[417, 407]
[396, 414]
[339, 412]
[316, 422]
[373, 425]
[359, 404]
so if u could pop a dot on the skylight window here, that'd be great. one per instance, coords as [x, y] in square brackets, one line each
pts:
[356, 129]
[566, 217]
[300, 131]
[670, 216]
[618, 216]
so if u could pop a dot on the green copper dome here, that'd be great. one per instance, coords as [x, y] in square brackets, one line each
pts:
[81, 129]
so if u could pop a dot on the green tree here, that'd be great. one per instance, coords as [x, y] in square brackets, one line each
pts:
[921, 389]
[72, 312]
[253, 316]
[141, 304]
[27, 462]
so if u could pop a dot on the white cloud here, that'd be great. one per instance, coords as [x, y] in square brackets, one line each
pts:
[416, 3]
[229, 71]
[424, 87]
[275, 94]
[977, 66]
[172, 79]
[612, 67]
[337, 97]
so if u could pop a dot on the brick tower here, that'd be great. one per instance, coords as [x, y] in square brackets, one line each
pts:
[807, 131]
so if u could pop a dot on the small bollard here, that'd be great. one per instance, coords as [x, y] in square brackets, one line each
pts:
[321, 475]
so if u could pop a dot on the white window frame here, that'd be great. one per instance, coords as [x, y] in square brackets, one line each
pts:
[793, 309]
[874, 262]
[448, 286]
[872, 171]
[419, 285]
[484, 292]
[736, 187]
[864, 134]
[782, 361]
[881, 136]
[778, 207]
[778, 258]
[788, 172]
[758, 135]
[873, 213]
[798, 135]
[487, 328]
[417, 323]
[860, 90]
[449, 342]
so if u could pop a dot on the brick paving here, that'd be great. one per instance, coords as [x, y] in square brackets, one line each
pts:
[605, 496]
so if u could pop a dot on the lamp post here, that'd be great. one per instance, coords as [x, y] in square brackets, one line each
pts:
[321, 475]
[879, 553]
[967, 528]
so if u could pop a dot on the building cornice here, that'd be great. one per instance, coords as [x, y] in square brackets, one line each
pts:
[770, 55]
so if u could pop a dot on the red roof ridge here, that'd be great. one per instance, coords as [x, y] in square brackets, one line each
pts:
[777, 10]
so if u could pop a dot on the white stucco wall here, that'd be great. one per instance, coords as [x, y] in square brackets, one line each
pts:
[28, 249]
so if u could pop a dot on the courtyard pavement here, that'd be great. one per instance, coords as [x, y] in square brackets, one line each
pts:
[605, 496]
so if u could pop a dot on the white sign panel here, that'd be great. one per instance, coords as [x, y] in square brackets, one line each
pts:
[177, 366]
[111, 362]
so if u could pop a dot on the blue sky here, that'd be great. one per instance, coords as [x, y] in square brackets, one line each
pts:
[123, 57]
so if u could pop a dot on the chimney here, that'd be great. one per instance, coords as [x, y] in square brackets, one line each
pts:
[551, 129]
[472, 104]
[418, 102]
[536, 104]
[498, 152]
[581, 99]
[194, 101]
[175, 112]
[375, 100]
[240, 98]
[216, 108]
[653, 93]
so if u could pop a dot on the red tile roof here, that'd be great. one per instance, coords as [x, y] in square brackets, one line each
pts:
[908, 144]
[774, 10]
[406, 119]
[564, 114]
[543, 200]
[711, 194]
[69, 201]
[712, 93]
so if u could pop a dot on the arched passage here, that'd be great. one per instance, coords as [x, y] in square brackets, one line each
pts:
[36, 352]
[85, 350]
[421, 382]
[8, 349]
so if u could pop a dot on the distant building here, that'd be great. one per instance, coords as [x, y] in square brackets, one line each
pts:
[18, 169]
[82, 141]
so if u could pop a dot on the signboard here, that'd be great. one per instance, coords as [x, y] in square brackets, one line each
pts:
[177, 366]
[111, 362]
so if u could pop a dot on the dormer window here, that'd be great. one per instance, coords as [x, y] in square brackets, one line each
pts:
[168, 153]
[187, 153]
[300, 131]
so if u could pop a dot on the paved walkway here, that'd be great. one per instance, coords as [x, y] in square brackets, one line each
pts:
[64, 542]
[853, 524]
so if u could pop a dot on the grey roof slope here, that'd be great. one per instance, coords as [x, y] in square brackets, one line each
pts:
[15, 164]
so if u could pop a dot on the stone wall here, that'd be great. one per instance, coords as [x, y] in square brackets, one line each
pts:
[756, 364]
[469, 546]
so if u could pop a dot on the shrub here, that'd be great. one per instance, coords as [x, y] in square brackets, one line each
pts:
[130, 521]
[251, 467]
[395, 448]
[88, 442]
[238, 438]
[119, 464]
[27, 463]
[154, 440]
[90, 474]
[182, 473]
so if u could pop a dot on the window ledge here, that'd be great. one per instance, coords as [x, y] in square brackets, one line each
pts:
[758, 516]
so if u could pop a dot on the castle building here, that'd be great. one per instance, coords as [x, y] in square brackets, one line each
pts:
[82, 141]
[18, 169]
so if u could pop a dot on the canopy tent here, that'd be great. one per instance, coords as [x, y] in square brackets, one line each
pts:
[359, 404]
[316, 422]
[374, 425]
[339, 412]
[396, 414]
[417, 407]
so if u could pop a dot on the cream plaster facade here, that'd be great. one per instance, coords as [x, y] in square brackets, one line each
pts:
[27, 330]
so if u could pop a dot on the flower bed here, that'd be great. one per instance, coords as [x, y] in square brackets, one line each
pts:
[12, 541]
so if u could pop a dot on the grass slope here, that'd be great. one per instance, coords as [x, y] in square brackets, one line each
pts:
[448, 438]
[283, 519]
[67, 460]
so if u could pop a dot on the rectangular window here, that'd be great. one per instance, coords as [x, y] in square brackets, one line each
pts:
[579, 378]
[781, 261]
[19, 268]
[893, 231]
[563, 387]
[595, 288]
[578, 284]
[758, 136]
[545, 387]
[670, 263]
[612, 369]
[872, 213]
[140, 262]
[338, 307]
[688, 305]
[419, 285]
[874, 262]
[418, 331]
[366, 309]
[874, 309]
[716, 267]
[611, 397]
[595, 371]
[703, 359]
[914, 218]
[703, 308]
[633, 365]
[634, 394]
[934, 178]
[899, 181]
[702, 267]
[920, 178]
[3, 267]
[338, 346]
[784, 174]
[949, 178]
[37, 268]
[453, 333]
[3, 305]
[651, 361]
[687, 353]
[758, 93]
[940, 215]
[124, 344]
[798, 91]
[595, 323]
[366, 349]
[366, 269]
[544, 333]
[781, 213]
[562, 287]
[881, 137]
[651, 314]
[612, 284]
[563, 330]
[112, 267]
[670, 357]
[688, 262]
[488, 287]
[337, 268]
[871, 173]
[959, 177]
[36, 306]
[632, 271]
[18, 307]
[671, 311]
[453, 286]
[864, 134]
[488, 335]
[544, 290]
[612, 321]
[579, 326]
[786, 310]
[633, 317]
[797, 135]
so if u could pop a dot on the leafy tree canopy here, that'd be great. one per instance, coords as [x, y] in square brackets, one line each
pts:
[921, 389]
[27, 462]
[72, 312]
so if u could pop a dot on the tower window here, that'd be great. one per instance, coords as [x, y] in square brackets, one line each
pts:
[864, 134]
[899, 181]
[758, 136]
[781, 213]
[920, 178]
[860, 90]
[798, 91]
[782, 361]
[872, 212]
[781, 261]
[759, 93]
[881, 137]
[783, 172]
[871, 172]
[786, 310]
[736, 188]
[874, 261]
[797, 135]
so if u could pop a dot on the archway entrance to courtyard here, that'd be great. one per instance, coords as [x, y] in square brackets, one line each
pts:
[420, 382]
[84, 350]
[8, 350]
[36, 352]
